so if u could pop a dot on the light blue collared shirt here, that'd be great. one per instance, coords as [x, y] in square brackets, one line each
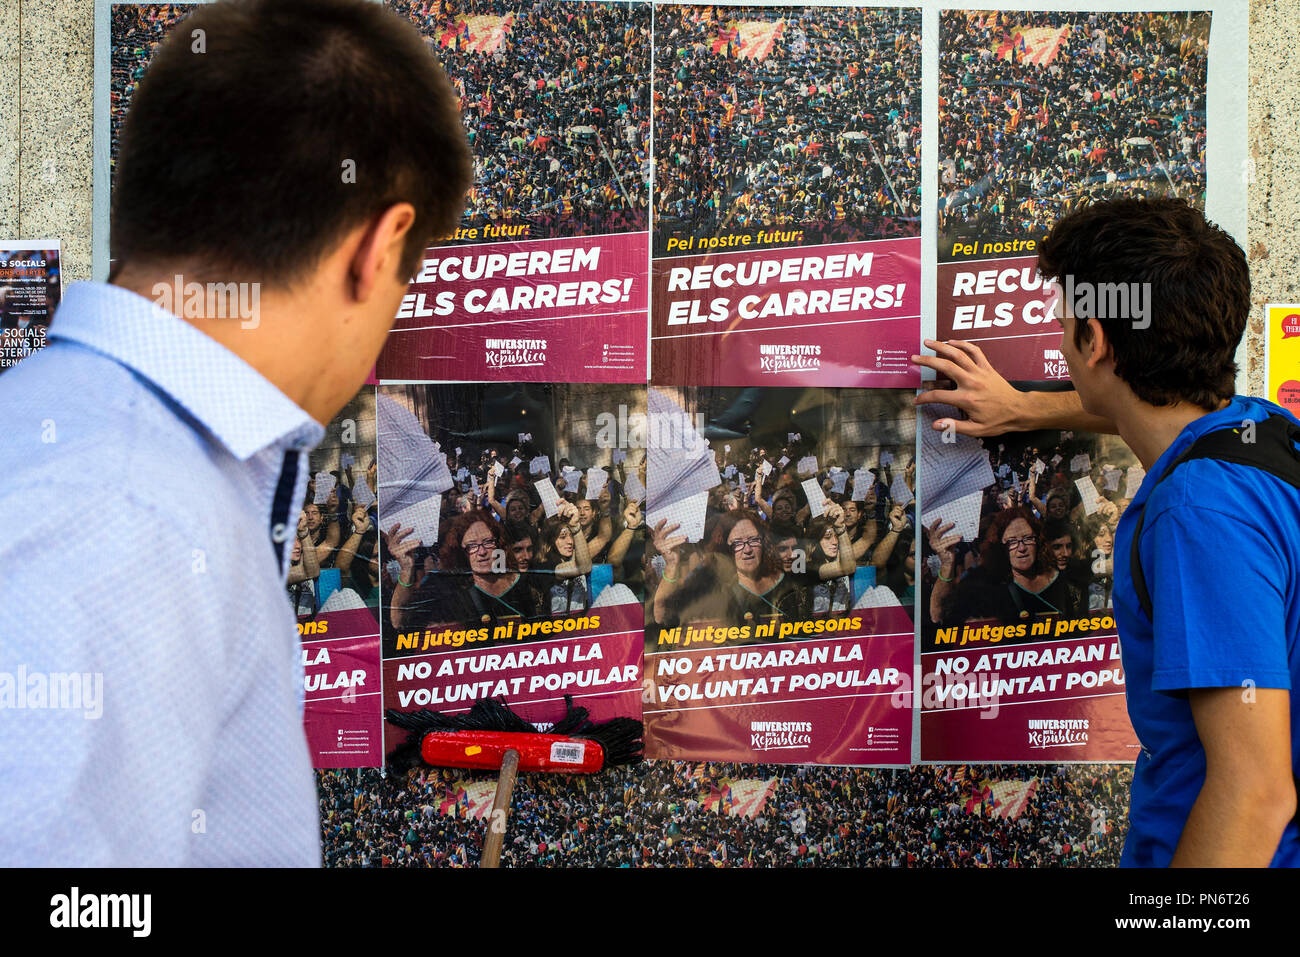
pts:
[150, 679]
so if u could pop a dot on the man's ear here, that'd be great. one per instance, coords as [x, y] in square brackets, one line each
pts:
[1099, 347]
[379, 251]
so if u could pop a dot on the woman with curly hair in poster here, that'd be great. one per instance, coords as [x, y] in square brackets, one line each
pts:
[1015, 579]
[741, 581]
[477, 581]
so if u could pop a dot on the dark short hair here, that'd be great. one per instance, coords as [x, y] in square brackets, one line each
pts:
[235, 151]
[1199, 293]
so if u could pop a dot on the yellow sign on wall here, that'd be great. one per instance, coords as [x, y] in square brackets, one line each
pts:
[1283, 355]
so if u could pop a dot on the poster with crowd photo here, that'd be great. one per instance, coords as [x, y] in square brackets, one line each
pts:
[786, 196]
[333, 585]
[1020, 656]
[546, 279]
[30, 290]
[779, 575]
[127, 35]
[1041, 113]
[135, 30]
[512, 533]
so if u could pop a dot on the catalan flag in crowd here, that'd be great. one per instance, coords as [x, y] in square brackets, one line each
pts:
[478, 797]
[1036, 45]
[480, 33]
[744, 797]
[981, 795]
[453, 798]
[1010, 798]
[750, 40]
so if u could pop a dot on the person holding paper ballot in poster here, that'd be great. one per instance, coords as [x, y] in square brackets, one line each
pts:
[1015, 579]
[564, 553]
[1209, 647]
[724, 552]
[477, 537]
[477, 579]
[742, 580]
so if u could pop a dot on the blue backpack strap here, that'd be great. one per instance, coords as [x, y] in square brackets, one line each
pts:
[1273, 451]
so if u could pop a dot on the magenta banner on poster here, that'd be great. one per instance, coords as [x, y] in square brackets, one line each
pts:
[546, 310]
[1051, 701]
[832, 690]
[532, 665]
[1004, 307]
[340, 657]
[842, 314]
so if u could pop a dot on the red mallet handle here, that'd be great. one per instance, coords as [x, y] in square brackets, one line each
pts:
[537, 752]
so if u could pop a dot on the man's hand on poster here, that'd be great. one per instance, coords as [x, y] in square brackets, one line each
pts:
[991, 404]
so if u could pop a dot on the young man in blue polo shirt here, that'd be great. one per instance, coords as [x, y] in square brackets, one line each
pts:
[1209, 670]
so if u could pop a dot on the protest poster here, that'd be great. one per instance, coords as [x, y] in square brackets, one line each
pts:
[333, 585]
[1282, 355]
[127, 34]
[546, 279]
[1044, 111]
[787, 196]
[30, 290]
[493, 596]
[770, 637]
[1020, 655]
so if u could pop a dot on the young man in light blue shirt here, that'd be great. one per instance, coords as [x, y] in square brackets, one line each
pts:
[282, 168]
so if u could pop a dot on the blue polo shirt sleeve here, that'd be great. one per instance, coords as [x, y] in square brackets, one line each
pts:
[1216, 583]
